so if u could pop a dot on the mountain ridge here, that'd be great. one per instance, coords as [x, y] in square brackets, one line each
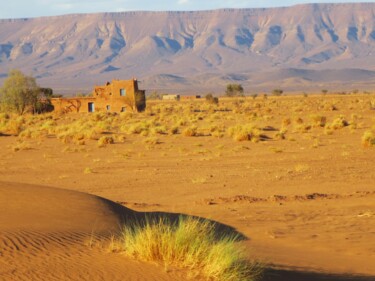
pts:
[197, 51]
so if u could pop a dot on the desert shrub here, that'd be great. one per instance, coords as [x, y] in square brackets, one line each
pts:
[104, 140]
[188, 243]
[368, 138]
[191, 131]
[302, 128]
[181, 122]
[277, 92]
[245, 133]
[48, 126]
[100, 116]
[161, 130]
[217, 131]
[30, 133]
[21, 146]
[152, 141]
[143, 128]
[76, 133]
[330, 107]
[280, 135]
[173, 130]
[66, 137]
[286, 122]
[120, 138]
[372, 104]
[4, 116]
[234, 90]
[88, 170]
[104, 126]
[318, 120]
[338, 123]
[136, 129]
[211, 99]
[15, 126]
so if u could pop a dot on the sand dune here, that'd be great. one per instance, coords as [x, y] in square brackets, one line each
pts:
[47, 234]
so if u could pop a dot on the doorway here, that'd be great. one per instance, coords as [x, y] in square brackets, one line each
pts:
[91, 107]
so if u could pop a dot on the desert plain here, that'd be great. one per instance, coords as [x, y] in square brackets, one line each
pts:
[294, 175]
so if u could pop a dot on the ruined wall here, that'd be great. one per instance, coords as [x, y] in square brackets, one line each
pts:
[72, 104]
[171, 97]
[196, 97]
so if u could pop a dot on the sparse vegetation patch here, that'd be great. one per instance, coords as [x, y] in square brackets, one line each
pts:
[188, 243]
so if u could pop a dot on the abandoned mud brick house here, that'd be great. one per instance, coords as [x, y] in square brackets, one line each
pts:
[117, 96]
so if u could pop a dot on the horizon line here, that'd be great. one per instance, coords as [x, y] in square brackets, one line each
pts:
[183, 11]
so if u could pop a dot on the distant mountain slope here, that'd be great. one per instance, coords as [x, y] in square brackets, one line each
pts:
[303, 46]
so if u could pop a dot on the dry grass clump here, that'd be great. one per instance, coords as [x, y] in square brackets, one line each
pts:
[120, 138]
[217, 131]
[173, 130]
[286, 122]
[88, 170]
[14, 126]
[31, 133]
[338, 123]
[104, 140]
[191, 131]
[318, 120]
[330, 107]
[77, 135]
[301, 168]
[372, 104]
[141, 128]
[21, 146]
[189, 243]
[368, 138]
[245, 133]
[280, 135]
[152, 141]
[161, 130]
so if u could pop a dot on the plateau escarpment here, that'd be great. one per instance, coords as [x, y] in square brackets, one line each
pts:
[295, 48]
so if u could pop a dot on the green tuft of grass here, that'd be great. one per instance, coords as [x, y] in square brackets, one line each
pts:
[191, 244]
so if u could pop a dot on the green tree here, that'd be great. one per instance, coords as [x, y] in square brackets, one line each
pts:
[20, 93]
[44, 100]
[234, 90]
[211, 99]
[277, 92]
[154, 96]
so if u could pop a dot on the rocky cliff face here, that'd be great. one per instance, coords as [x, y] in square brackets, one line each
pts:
[303, 46]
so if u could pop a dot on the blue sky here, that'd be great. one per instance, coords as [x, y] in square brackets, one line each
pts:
[36, 8]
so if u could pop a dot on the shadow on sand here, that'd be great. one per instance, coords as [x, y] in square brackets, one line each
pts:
[296, 275]
[130, 217]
